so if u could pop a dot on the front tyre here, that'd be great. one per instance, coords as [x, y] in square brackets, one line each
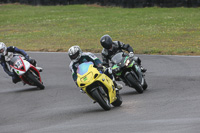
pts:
[134, 83]
[118, 101]
[101, 99]
[35, 81]
[145, 85]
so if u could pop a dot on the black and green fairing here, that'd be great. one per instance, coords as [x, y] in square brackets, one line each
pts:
[117, 66]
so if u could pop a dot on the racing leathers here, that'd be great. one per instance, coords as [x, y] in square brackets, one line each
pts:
[117, 47]
[86, 57]
[9, 54]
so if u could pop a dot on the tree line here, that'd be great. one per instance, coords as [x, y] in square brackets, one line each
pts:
[121, 3]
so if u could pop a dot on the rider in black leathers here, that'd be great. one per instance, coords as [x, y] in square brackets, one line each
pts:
[110, 48]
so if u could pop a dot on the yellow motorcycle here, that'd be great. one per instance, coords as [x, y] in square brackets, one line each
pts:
[97, 86]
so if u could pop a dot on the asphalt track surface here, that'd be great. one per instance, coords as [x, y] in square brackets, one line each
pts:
[171, 104]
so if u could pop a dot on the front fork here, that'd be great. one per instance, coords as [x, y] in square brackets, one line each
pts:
[139, 73]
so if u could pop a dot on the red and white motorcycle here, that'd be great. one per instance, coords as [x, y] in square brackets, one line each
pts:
[28, 73]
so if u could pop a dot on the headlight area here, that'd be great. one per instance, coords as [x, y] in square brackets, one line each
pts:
[127, 62]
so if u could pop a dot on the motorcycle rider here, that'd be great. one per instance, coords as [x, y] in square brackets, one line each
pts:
[77, 57]
[6, 55]
[110, 48]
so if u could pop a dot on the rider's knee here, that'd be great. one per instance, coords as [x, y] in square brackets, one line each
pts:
[15, 79]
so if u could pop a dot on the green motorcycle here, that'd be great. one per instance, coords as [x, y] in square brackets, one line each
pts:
[127, 70]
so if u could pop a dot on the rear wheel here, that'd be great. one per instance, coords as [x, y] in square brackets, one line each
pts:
[35, 81]
[102, 99]
[131, 79]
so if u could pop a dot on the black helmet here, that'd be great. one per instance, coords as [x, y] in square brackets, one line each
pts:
[106, 41]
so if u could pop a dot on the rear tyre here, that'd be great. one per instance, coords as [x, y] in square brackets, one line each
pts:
[135, 83]
[35, 81]
[101, 99]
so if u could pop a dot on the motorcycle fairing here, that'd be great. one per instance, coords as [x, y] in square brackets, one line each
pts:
[32, 69]
[125, 59]
[131, 64]
[93, 76]
[19, 65]
[84, 68]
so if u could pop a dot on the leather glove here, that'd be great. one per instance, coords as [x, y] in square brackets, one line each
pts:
[109, 70]
[104, 68]
[27, 57]
[131, 54]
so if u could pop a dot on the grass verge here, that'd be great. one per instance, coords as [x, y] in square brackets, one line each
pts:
[56, 28]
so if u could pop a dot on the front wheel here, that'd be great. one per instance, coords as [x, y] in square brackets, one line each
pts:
[101, 99]
[118, 101]
[35, 81]
[134, 83]
[145, 85]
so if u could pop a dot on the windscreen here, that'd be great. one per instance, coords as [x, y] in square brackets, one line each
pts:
[15, 61]
[83, 68]
[117, 58]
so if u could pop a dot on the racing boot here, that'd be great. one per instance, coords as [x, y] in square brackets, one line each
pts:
[143, 69]
[39, 69]
[138, 60]
[81, 90]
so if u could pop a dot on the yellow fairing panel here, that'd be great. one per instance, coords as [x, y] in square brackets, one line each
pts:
[93, 75]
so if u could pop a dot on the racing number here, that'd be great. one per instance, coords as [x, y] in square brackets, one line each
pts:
[18, 64]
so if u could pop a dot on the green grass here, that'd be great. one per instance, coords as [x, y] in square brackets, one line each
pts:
[56, 28]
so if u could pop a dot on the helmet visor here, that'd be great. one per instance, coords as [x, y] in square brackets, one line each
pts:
[107, 45]
[74, 56]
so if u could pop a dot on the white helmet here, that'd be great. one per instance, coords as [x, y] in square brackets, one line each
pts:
[3, 48]
[75, 53]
